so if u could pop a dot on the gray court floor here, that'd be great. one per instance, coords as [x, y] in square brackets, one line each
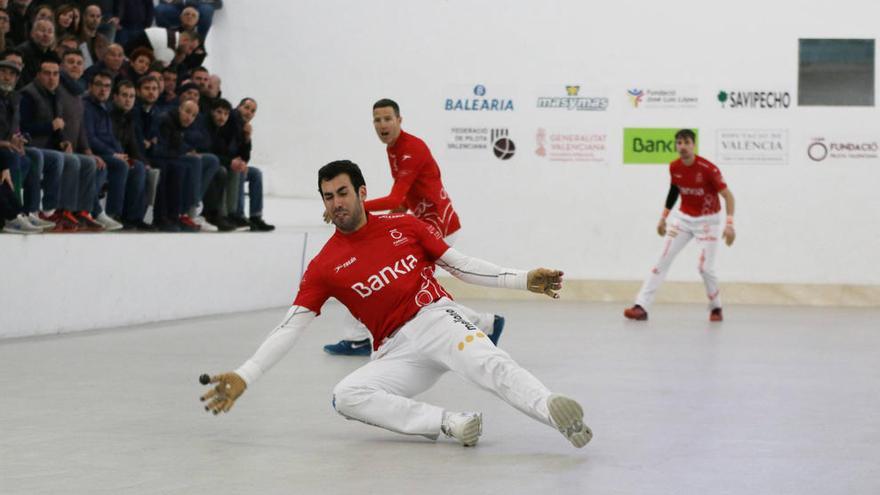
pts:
[772, 401]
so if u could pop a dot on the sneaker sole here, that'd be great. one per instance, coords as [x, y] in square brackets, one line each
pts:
[472, 431]
[497, 329]
[568, 416]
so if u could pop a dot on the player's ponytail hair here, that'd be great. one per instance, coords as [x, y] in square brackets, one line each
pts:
[332, 169]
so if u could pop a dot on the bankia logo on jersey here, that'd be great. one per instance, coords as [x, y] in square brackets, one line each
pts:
[480, 99]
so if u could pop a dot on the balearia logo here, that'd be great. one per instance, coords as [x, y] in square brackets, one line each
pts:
[502, 145]
[736, 99]
[650, 145]
[573, 102]
[821, 148]
[479, 102]
[385, 276]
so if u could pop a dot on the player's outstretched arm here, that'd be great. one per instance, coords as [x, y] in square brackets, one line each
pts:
[230, 385]
[480, 272]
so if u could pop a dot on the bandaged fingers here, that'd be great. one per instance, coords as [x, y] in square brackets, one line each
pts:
[545, 281]
[221, 398]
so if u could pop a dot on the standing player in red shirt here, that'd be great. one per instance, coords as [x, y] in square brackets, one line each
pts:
[418, 188]
[382, 269]
[699, 183]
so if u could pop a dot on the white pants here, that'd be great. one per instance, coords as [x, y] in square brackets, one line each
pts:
[680, 229]
[353, 329]
[437, 340]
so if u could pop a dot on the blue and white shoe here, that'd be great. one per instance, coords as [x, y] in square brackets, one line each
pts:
[349, 348]
[497, 328]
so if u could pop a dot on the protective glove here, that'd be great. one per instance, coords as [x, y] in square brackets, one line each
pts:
[545, 281]
[229, 387]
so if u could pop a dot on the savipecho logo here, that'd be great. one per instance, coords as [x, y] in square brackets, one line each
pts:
[573, 101]
[754, 99]
[479, 104]
[385, 276]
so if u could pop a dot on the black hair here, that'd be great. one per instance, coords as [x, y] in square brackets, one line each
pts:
[49, 58]
[72, 51]
[686, 134]
[387, 102]
[247, 98]
[348, 167]
[199, 69]
[125, 83]
[101, 73]
[221, 103]
[147, 79]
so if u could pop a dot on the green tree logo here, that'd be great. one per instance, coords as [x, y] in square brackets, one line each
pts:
[722, 97]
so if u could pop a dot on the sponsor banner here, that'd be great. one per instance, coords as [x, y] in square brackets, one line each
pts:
[651, 145]
[574, 98]
[835, 149]
[751, 99]
[571, 146]
[478, 143]
[751, 146]
[477, 98]
[663, 97]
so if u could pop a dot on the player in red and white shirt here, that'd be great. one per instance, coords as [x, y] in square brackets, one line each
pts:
[418, 188]
[382, 269]
[699, 182]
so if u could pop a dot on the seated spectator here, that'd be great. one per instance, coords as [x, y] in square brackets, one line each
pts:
[196, 183]
[13, 159]
[113, 63]
[135, 18]
[140, 61]
[188, 54]
[67, 18]
[126, 132]
[223, 191]
[171, 156]
[41, 119]
[66, 42]
[243, 115]
[168, 96]
[92, 43]
[36, 49]
[70, 93]
[214, 90]
[125, 177]
[147, 128]
[169, 14]
[5, 26]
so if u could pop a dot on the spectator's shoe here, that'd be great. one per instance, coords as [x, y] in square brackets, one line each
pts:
[349, 348]
[140, 226]
[716, 315]
[187, 225]
[65, 221]
[85, 222]
[497, 328]
[466, 427]
[104, 220]
[258, 225]
[568, 417]
[166, 226]
[21, 225]
[40, 221]
[240, 223]
[204, 224]
[219, 223]
[636, 313]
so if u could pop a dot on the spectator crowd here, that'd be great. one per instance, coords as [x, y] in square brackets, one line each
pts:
[110, 121]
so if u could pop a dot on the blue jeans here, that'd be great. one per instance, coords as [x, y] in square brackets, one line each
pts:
[135, 207]
[200, 172]
[168, 16]
[25, 170]
[169, 192]
[115, 174]
[48, 165]
[255, 192]
[85, 194]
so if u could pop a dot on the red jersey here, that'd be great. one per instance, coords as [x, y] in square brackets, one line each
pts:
[383, 272]
[699, 185]
[417, 185]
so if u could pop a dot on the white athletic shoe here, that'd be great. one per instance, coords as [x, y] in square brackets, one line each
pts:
[568, 417]
[20, 225]
[204, 224]
[36, 221]
[465, 427]
[107, 222]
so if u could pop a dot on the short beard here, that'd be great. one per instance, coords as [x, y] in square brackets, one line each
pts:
[352, 223]
[7, 88]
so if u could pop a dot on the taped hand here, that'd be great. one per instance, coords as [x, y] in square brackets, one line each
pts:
[229, 387]
[545, 281]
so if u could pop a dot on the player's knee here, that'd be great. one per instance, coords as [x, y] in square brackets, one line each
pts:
[347, 397]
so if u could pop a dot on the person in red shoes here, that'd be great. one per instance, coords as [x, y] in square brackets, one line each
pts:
[699, 183]
[418, 188]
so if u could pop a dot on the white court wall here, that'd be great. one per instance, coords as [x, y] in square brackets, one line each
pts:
[316, 67]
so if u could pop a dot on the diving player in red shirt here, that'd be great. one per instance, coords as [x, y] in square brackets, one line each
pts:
[382, 269]
[699, 182]
[418, 188]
